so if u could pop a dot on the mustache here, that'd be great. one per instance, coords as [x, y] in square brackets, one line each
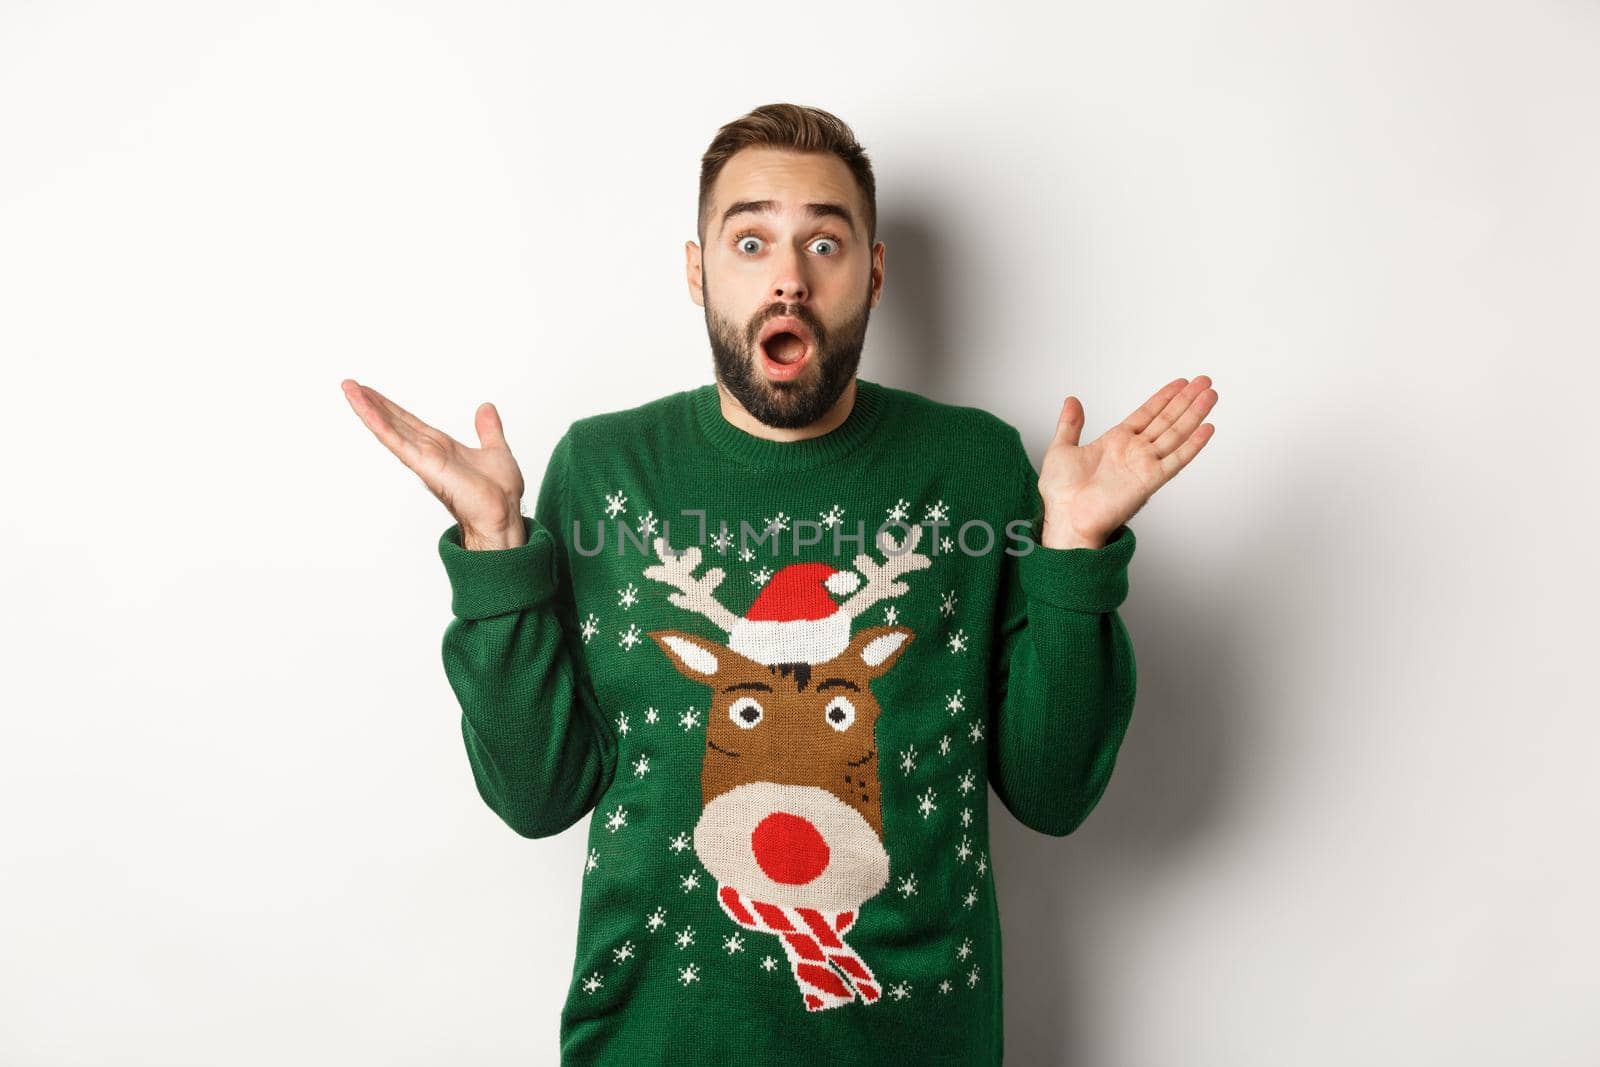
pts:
[793, 311]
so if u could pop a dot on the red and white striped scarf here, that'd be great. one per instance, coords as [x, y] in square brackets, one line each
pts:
[812, 939]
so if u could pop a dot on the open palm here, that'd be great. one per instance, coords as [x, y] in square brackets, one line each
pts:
[481, 487]
[1090, 490]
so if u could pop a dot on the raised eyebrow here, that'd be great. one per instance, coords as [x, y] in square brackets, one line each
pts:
[845, 682]
[824, 209]
[763, 686]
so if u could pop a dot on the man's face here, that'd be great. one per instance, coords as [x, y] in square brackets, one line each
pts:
[793, 284]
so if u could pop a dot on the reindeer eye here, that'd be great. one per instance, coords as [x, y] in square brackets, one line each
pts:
[745, 712]
[840, 713]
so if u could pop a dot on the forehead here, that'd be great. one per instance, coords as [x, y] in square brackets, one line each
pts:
[792, 179]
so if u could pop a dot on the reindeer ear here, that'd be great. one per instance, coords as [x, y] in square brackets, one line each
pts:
[877, 647]
[695, 657]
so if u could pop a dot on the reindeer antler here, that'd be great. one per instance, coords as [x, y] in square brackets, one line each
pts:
[695, 594]
[881, 579]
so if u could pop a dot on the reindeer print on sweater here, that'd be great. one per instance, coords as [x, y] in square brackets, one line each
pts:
[791, 824]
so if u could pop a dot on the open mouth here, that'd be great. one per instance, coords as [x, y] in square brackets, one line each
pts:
[786, 345]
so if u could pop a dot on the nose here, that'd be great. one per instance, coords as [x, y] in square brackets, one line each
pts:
[788, 848]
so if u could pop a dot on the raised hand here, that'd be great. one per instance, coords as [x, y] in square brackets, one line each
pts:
[1090, 490]
[481, 487]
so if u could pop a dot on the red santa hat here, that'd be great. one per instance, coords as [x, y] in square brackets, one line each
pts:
[793, 619]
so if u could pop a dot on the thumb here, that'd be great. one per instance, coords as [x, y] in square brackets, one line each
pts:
[491, 434]
[1070, 425]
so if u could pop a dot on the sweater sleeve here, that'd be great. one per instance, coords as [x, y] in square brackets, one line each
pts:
[540, 751]
[1064, 680]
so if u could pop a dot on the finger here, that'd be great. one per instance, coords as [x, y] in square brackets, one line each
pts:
[1069, 426]
[399, 430]
[375, 417]
[400, 415]
[1175, 407]
[1186, 423]
[491, 434]
[1178, 459]
[1141, 417]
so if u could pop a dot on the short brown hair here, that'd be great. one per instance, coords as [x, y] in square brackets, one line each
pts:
[795, 127]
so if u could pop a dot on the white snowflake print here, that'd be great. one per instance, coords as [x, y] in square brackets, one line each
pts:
[679, 843]
[964, 849]
[983, 863]
[971, 897]
[622, 952]
[966, 816]
[651, 715]
[937, 513]
[908, 759]
[947, 603]
[900, 990]
[746, 553]
[777, 524]
[831, 517]
[945, 544]
[976, 732]
[689, 974]
[972, 978]
[944, 986]
[690, 881]
[622, 724]
[908, 885]
[958, 641]
[641, 766]
[629, 637]
[967, 784]
[761, 576]
[965, 948]
[591, 626]
[616, 504]
[722, 540]
[734, 942]
[617, 819]
[592, 862]
[955, 702]
[591, 983]
[944, 745]
[690, 719]
[647, 524]
[685, 937]
[628, 597]
[926, 805]
[898, 512]
[656, 920]
[891, 615]
[768, 963]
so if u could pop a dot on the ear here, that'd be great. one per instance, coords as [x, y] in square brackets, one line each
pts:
[703, 659]
[694, 272]
[877, 647]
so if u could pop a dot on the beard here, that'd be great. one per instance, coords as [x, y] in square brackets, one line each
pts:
[803, 400]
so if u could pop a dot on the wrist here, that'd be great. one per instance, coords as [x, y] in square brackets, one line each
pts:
[494, 538]
[1057, 532]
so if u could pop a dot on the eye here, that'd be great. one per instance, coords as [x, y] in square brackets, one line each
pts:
[745, 712]
[840, 713]
[742, 243]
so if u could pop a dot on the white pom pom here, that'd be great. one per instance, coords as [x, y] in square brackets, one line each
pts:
[842, 582]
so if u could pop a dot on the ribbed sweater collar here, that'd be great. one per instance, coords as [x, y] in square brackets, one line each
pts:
[759, 453]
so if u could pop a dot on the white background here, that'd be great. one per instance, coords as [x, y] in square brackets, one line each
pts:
[1355, 818]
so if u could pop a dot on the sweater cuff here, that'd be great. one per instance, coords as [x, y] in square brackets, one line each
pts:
[495, 581]
[1079, 579]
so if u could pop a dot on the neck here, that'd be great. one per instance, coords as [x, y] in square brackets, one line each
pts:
[735, 413]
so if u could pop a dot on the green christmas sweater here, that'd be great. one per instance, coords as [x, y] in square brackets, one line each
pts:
[783, 676]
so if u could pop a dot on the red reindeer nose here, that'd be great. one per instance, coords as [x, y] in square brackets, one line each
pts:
[788, 848]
